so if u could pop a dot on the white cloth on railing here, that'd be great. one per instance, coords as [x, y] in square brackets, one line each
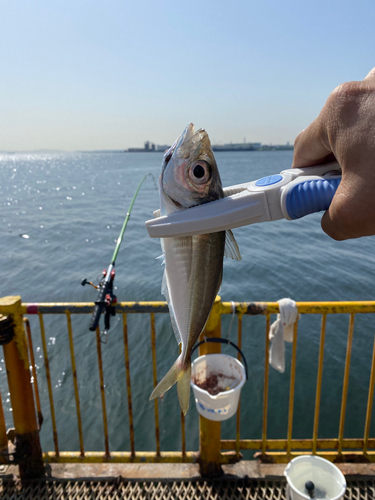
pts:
[282, 330]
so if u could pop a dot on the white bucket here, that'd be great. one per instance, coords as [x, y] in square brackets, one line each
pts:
[328, 481]
[231, 377]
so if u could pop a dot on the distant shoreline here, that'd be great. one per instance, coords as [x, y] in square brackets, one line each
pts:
[216, 149]
[151, 147]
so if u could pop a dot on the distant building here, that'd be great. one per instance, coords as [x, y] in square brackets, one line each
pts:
[281, 147]
[149, 148]
[241, 146]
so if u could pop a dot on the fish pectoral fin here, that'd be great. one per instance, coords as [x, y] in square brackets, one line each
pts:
[183, 389]
[162, 258]
[231, 247]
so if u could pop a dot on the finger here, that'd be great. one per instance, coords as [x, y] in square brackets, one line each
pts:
[351, 209]
[370, 75]
[335, 220]
[311, 146]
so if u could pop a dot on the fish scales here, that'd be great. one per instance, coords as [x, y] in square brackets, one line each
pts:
[206, 259]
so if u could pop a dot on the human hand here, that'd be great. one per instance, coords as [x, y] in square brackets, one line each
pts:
[345, 131]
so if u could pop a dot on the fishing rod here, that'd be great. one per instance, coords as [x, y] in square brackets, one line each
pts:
[106, 299]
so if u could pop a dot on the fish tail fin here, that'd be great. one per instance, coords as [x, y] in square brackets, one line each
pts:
[168, 380]
[183, 388]
[181, 374]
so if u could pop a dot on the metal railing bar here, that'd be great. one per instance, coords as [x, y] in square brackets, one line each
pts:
[319, 382]
[128, 384]
[331, 307]
[165, 457]
[248, 308]
[32, 362]
[49, 383]
[296, 444]
[121, 457]
[346, 382]
[292, 387]
[102, 392]
[88, 307]
[75, 383]
[238, 416]
[283, 458]
[266, 380]
[155, 379]
[369, 401]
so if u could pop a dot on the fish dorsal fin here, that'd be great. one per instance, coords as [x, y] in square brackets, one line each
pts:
[231, 247]
[165, 292]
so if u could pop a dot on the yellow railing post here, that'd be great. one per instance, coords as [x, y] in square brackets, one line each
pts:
[6, 325]
[210, 431]
[28, 450]
[3, 434]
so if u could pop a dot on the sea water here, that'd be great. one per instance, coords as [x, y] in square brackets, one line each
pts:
[61, 214]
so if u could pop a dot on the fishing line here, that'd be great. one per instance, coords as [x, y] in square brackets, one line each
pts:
[153, 178]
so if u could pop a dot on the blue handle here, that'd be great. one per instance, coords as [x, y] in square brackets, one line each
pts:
[310, 196]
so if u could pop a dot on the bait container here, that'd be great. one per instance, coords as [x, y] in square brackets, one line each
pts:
[223, 375]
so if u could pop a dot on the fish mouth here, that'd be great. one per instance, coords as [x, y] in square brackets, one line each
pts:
[192, 143]
[186, 136]
[189, 144]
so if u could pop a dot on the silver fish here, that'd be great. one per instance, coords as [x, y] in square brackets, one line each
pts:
[193, 264]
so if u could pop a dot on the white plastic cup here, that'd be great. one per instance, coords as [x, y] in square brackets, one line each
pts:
[328, 480]
[232, 373]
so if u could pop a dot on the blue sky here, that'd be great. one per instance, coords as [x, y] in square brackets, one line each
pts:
[84, 75]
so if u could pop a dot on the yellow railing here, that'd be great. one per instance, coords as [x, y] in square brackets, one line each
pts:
[213, 451]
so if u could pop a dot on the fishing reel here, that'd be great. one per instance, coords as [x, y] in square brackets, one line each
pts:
[105, 302]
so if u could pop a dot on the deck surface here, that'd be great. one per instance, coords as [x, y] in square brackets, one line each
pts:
[245, 481]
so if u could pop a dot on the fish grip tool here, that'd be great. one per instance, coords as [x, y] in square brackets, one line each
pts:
[219, 340]
[106, 299]
[291, 194]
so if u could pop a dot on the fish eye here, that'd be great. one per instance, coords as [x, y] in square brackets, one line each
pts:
[200, 172]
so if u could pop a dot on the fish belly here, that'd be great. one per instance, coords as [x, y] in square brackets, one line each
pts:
[194, 267]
